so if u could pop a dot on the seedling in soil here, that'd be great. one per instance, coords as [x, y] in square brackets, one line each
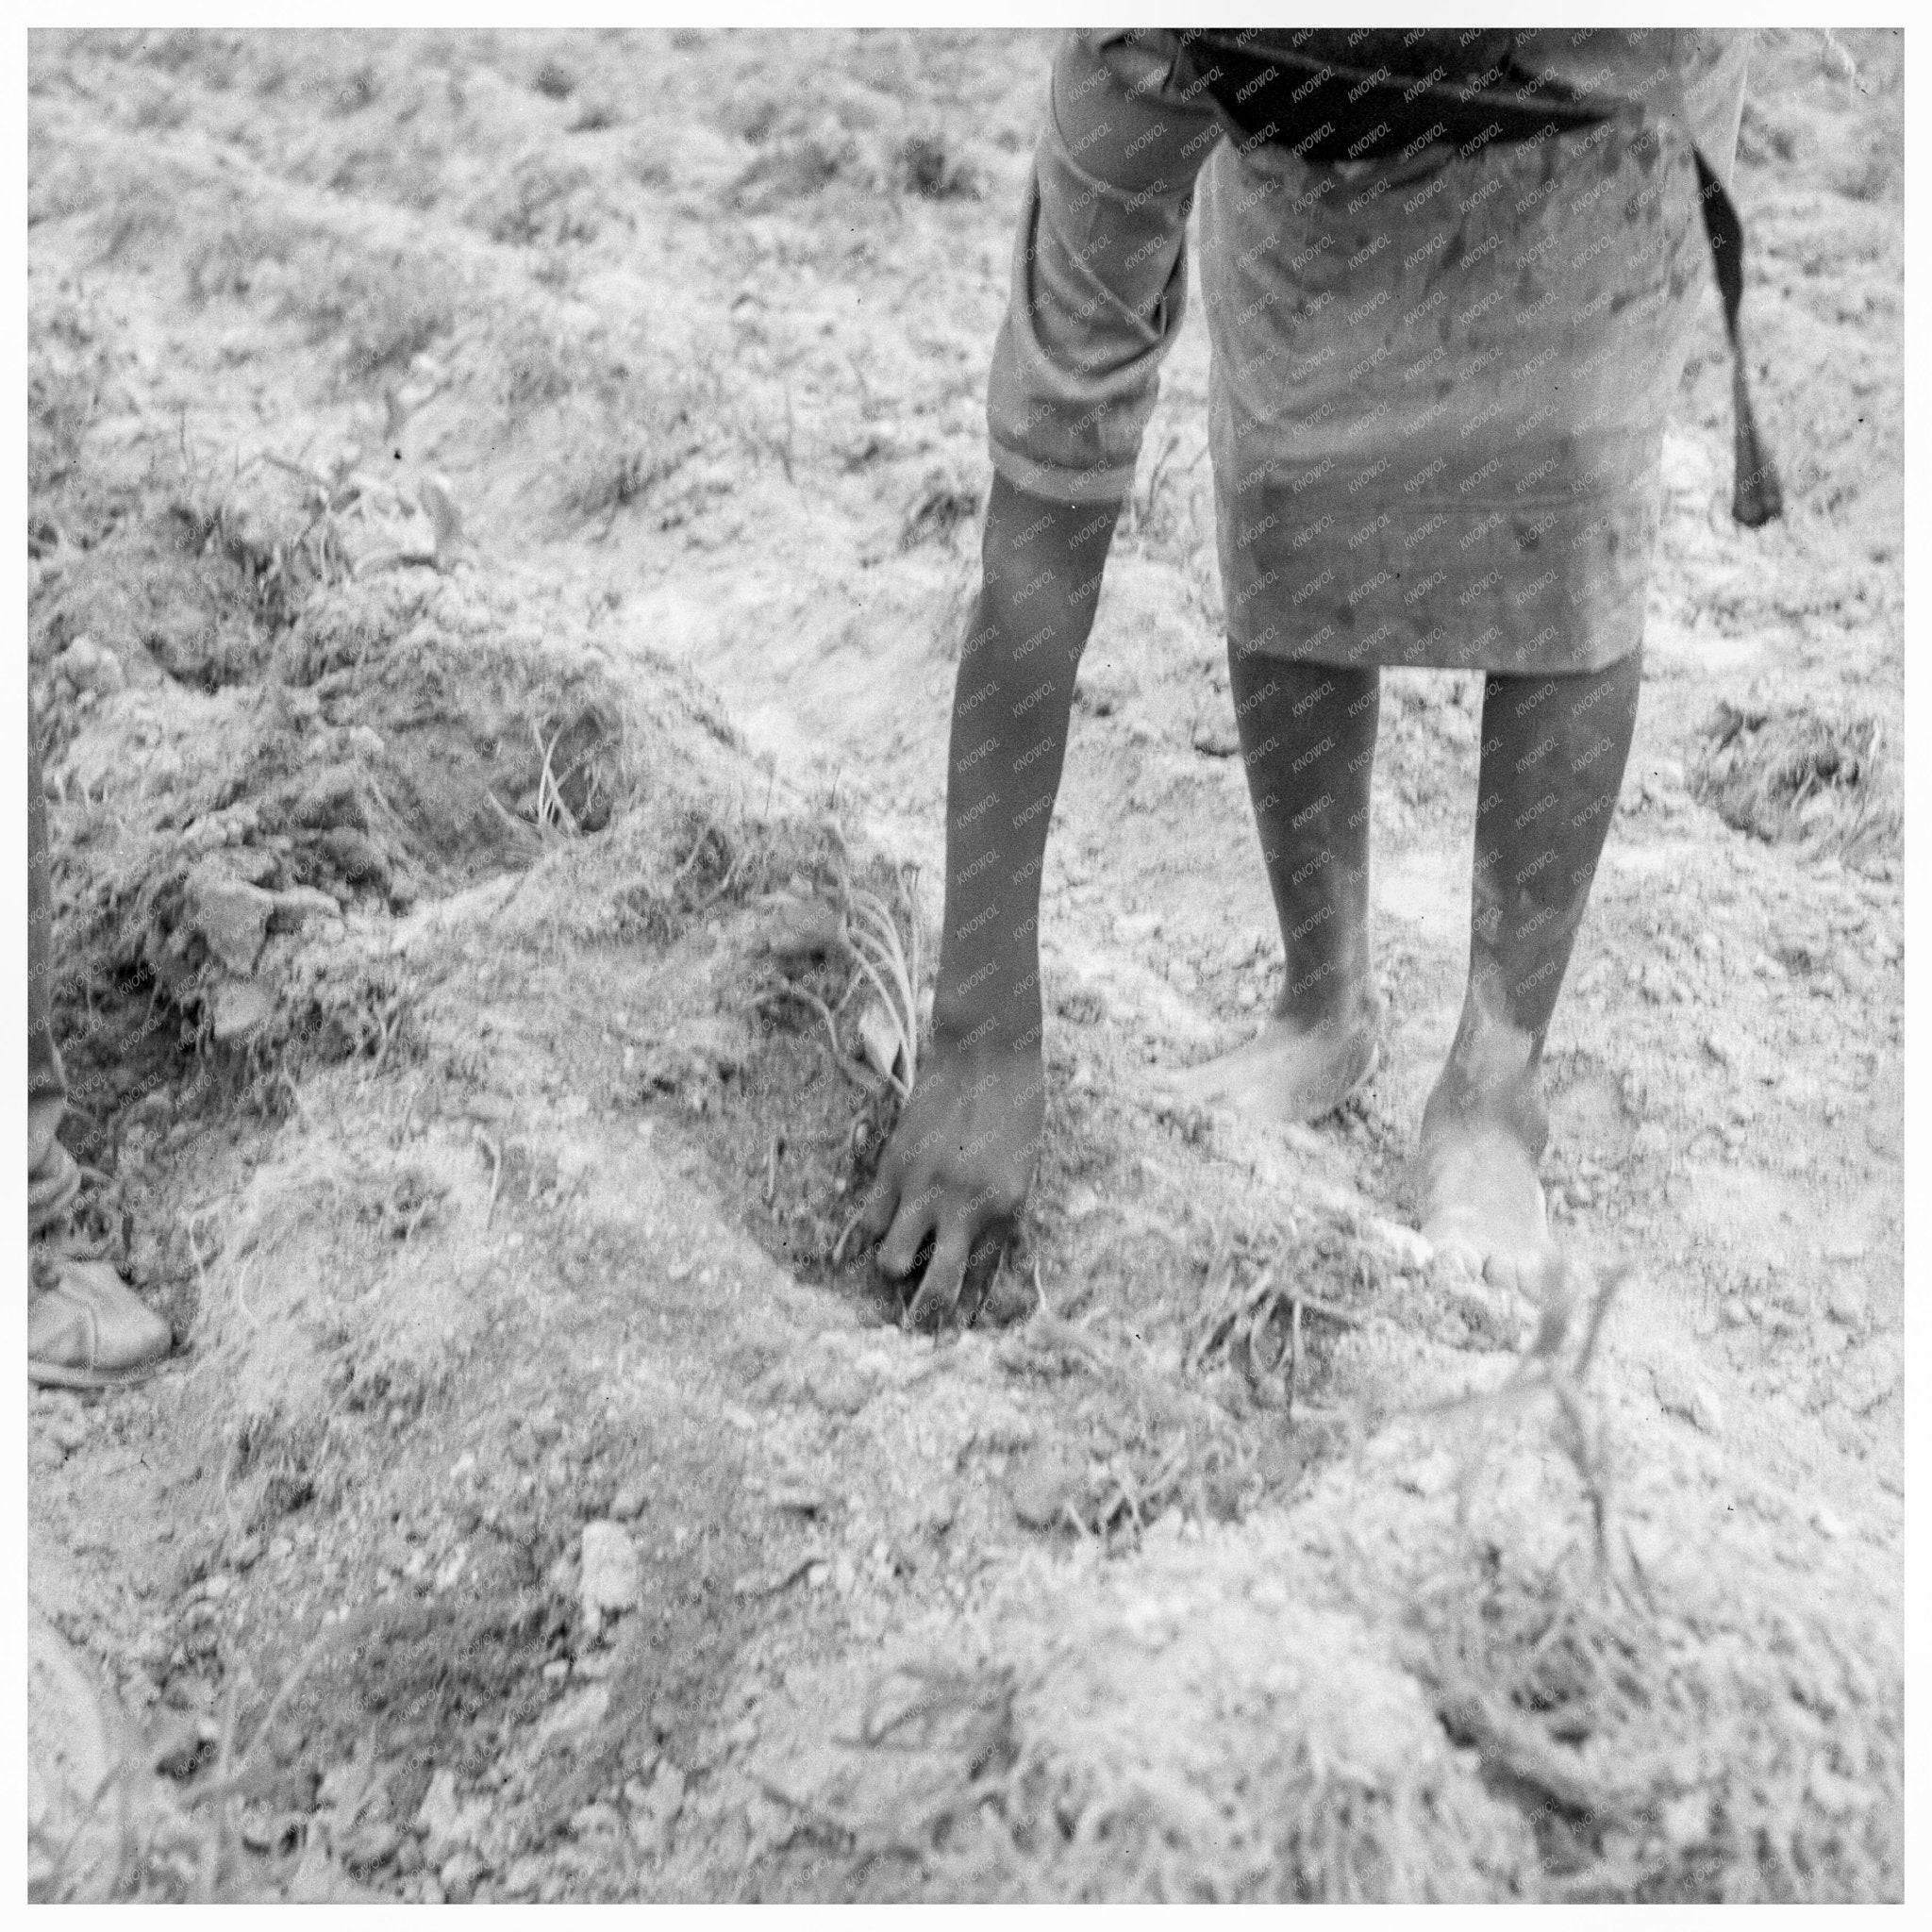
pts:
[1542, 1371]
[1258, 1324]
[551, 812]
[869, 934]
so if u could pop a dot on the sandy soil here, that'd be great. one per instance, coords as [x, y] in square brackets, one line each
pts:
[537, 1510]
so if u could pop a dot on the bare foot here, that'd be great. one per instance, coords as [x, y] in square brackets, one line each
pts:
[1286, 1073]
[1481, 1199]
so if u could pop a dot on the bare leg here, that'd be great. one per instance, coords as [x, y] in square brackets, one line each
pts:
[1553, 752]
[1309, 743]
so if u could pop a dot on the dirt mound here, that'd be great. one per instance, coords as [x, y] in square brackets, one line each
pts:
[1364, 1698]
[1785, 772]
[313, 750]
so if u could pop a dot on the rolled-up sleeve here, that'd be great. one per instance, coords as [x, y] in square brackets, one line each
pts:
[1099, 266]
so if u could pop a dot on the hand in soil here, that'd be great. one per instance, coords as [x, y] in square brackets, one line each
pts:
[954, 1177]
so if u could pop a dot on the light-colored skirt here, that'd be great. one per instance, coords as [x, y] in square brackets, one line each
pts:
[1439, 388]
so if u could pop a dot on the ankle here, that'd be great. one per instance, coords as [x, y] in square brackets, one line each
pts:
[1514, 1106]
[1328, 998]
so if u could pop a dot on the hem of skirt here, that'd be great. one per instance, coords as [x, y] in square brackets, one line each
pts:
[1052, 484]
[1328, 658]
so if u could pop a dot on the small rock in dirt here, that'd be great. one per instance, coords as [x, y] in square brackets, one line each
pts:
[1846, 1304]
[330, 798]
[295, 904]
[371, 1845]
[285, 1741]
[667, 1792]
[436, 1817]
[89, 665]
[1695, 1402]
[1827, 1523]
[241, 1006]
[460, 1872]
[1686, 1822]
[1836, 1796]
[1722, 1048]
[1043, 1484]
[524, 1876]
[319, 1880]
[629, 1502]
[1082, 1202]
[583, 1710]
[1433, 1474]
[1453, 1270]
[1870, 1374]
[1103, 687]
[937, 1511]
[262, 1833]
[344, 1783]
[68, 1430]
[357, 857]
[612, 1579]
[230, 915]
[1216, 739]
[839, 1389]
[1736, 1314]
[798, 1494]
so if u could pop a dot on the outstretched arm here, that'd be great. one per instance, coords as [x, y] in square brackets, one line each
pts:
[1042, 570]
[957, 1169]
[1099, 282]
